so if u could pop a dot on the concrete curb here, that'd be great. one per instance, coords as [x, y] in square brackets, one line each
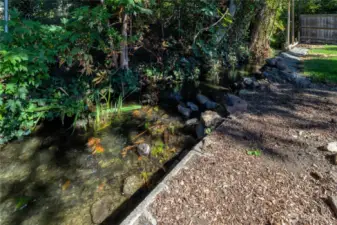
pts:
[141, 215]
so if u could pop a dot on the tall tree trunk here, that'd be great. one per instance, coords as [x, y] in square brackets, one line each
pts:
[124, 60]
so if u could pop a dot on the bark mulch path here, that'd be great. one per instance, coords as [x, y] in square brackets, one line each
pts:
[287, 184]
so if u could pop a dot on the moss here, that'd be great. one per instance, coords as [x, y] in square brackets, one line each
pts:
[158, 148]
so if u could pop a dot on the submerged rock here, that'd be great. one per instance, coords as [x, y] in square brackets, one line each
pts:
[15, 171]
[235, 104]
[101, 209]
[30, 147]
[184, 111]
[210, 118]
[192, 106]
[144, 149]
[132, 184]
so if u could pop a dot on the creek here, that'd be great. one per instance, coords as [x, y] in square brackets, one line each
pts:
[59, 177]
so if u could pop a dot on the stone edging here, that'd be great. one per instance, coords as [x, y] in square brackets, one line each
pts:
[140, 214]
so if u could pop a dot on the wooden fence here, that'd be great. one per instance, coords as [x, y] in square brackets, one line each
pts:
[319, 29]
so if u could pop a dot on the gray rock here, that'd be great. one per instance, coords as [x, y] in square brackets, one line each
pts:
[256, 84]
[248, 81]
[200, 130]
[210, 118]
[132, 184]
[192, 106]
[184, 111]
[192, 122]
[101, 209]
[271, 62]
[30, 147]
[237, 105]
[332, 147]
[211, 105]
[45, 156]
[202, 99]
[281, 65]
[144, 149]
[332, 200]
[206, 102]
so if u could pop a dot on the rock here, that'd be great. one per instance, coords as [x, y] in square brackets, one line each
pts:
[242, 92]
[256, 84]
[101, 209]
[45, 156]
[334, 159]
[206, 102]
[200, 130]
[332, 201]
[271, 62]
[15, 171]
[332, 147]
[192, 106]
[248, 81]
[192, 122]
[143, 149]
[235, 104]
[30, 147]
[202, 99]
[210, 118]
[184, 111]
[131, 185]
[281, 65]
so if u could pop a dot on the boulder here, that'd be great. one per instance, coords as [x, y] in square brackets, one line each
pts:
[184, 111]
[132, 184]
[101, 209]
[144, 149]
[192, 106]
[235, 104]
[210, 118]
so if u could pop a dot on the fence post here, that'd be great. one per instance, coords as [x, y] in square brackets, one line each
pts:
[6, 15]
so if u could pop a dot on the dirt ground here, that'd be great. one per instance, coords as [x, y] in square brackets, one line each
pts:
[287, 184]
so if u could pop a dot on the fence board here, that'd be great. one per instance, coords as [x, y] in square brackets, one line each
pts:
[319, 29]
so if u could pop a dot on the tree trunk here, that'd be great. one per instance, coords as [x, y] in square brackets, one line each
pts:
[124, 61]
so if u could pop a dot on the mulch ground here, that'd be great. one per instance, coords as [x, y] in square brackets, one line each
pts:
[287, 184]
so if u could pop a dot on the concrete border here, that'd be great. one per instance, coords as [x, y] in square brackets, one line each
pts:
[141, 211]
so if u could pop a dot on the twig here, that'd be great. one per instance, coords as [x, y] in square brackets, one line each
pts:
[207, 28]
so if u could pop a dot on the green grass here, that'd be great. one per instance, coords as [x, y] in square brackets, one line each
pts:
[325, 50]
[322, 69]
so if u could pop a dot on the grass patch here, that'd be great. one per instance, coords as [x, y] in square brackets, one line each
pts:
[325, 50]
[322, 69]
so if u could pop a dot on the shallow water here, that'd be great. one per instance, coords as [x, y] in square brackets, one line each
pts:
[54, 177]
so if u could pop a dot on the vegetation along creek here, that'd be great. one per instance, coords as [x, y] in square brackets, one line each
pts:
[100, 99]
